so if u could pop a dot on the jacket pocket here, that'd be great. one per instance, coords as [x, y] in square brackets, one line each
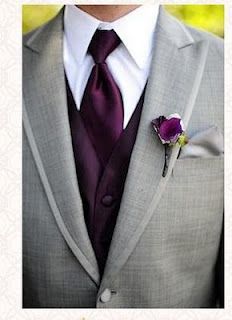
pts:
[199, 168]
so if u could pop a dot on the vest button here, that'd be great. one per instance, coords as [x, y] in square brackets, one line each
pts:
[105, 296]
[107, 200]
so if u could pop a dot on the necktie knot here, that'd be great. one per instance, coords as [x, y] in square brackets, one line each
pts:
[102, 44]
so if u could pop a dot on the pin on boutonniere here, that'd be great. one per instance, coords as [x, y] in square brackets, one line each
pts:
[171, 132]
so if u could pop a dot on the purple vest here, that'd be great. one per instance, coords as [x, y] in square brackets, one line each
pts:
[101, 188]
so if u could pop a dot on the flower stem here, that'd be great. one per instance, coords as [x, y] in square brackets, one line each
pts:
[165, 169]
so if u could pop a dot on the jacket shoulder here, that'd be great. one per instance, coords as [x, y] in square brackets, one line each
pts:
[41, 30]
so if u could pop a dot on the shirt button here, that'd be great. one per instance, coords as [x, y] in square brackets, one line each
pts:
[107, 200]
[105, 296]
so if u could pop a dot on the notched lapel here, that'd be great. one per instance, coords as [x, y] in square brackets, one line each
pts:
[47, 126]
[177, 67]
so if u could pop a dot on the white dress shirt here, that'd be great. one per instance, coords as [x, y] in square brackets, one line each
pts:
[129, 63]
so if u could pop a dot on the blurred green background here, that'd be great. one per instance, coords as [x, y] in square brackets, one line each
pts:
[205, 17]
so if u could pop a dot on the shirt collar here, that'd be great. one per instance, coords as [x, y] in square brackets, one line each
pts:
[79, 28]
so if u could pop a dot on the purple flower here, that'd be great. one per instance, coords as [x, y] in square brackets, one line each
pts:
[171, 132]
[169, 129]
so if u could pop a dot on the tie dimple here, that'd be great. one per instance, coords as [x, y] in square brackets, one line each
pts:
[102, 44]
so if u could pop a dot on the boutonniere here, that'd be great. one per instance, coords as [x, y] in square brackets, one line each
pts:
[171, 132]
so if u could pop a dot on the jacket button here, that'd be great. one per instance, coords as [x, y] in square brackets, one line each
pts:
[107, 200]
[105, 296]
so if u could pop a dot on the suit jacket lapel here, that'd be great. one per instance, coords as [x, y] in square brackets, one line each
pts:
[175, 76]
[46, 108]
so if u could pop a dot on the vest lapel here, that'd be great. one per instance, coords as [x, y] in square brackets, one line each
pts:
[177, 67]
[46, 108]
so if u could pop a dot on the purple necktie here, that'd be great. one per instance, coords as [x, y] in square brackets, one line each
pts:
[101, 107]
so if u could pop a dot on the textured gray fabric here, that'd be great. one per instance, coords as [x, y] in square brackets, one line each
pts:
[165, 245]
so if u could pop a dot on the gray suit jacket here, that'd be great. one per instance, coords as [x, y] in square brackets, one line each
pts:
[165, 248]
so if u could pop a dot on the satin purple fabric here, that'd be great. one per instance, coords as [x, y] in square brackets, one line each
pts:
[101, 187]
[101, 107]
